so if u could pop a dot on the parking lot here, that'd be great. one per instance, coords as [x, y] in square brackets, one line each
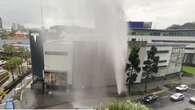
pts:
[164, 103]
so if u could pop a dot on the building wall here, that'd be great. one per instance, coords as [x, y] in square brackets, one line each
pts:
[171, 51]
[161, 32]
[170, 59]
[58, 59]
[83, 64]
[188, 41]
[177, 56]
[189, 59]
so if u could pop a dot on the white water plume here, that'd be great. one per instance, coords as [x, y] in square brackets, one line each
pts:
[96, 32]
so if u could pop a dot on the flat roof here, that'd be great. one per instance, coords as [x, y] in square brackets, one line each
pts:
[166, 44]
[163, 30]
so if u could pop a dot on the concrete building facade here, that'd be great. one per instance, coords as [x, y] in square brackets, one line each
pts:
[175, 48]
[171, 56]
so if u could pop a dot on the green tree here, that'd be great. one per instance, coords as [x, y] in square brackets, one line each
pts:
[24, 54]
[132, 68]
[18, 63]
[11, 66]
[5, 35]
[9, 49]
[150, 65]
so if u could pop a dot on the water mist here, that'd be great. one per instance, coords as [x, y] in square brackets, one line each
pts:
[93, 33]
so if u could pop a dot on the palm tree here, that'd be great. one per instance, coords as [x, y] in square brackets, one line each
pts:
[11, 66]
[18, 62]
[24, 54]
[9, 49]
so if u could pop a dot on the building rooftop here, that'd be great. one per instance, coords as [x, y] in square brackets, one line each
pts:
[162, 32]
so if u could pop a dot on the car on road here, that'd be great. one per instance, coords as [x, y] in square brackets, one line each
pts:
[192, 100]
[149, 99]
[177, 97]
[182, 87]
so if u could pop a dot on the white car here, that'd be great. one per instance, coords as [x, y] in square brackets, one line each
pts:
[177, 97]
[192, 99]
[182, 87]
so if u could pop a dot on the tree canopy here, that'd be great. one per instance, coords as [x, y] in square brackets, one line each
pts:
[9, 49]
[12, 64]
[133, 67]
[24, 53]
[150, 65]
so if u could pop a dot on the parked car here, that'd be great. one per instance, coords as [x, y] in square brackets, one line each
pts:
[192, 100]
[177, 97]
[149, 99]
[182, 87]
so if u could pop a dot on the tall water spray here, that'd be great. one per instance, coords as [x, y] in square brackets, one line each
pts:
[93, 33]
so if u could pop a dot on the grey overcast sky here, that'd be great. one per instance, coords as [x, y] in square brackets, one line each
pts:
[162, 13]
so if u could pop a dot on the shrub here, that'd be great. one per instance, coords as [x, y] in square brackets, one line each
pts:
[126, 105]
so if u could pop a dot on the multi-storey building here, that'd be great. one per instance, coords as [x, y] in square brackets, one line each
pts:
[173, 47]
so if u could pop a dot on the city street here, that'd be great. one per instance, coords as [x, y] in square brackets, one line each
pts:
[21, 86]
[163, 103]
[69, 98]
[101, 96]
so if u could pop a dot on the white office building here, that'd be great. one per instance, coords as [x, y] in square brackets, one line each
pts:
[172, 46]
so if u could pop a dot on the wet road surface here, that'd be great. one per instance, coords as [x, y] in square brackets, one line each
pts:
[163, 103]
[67, 99]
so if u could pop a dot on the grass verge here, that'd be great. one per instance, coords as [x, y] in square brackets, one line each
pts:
[188, 70]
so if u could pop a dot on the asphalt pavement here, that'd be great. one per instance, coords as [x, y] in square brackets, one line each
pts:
[87, 98]
[21, 85]
[164, 103]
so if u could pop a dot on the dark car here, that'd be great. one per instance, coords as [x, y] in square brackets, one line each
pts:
[149, 99]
